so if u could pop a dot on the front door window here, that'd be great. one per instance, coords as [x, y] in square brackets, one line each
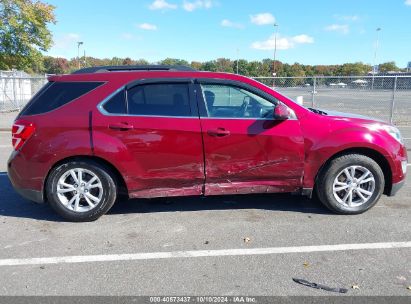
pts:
[235, 102]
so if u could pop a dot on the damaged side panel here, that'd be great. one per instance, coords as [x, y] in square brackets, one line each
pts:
[258, 156]
[162, 156]
[249, 187]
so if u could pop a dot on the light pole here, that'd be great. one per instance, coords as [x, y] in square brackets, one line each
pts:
[78, 52]
[375, 57]
[238, 51]
[275, 52]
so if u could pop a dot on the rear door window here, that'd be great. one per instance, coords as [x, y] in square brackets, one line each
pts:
[163, 99]
[57, 94]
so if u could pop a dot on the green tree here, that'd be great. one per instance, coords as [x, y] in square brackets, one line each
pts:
[357, 68]
[267, 67]
[297, 70]
[196, 65]
[140, 62]
[254, 68]
[224, 65]
[24, 33]
[242, 67]
[388, 67]
[173, 61]
[209, 66]
[116, 61]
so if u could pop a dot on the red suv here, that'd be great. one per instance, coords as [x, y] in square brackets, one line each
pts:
[157, 131]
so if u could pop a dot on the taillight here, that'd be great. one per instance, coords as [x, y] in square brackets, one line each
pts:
[21, 132]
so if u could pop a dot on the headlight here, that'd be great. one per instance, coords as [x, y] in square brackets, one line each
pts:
[404, 165]
[393, 131]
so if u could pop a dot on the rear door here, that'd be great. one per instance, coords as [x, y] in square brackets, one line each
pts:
[158, 134]
[246, 150]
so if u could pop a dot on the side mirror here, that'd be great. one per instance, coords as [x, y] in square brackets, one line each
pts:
[281, 112]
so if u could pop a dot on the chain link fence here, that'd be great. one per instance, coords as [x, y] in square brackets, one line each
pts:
[385, 97]
[16, 89]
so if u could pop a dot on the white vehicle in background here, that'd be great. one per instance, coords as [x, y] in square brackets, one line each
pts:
[360, 83]
[338, 85]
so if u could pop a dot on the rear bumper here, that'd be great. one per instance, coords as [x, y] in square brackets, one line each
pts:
[22, 186]
[32, 195]
[396, 187]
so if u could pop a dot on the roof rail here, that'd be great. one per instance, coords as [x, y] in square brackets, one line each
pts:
[129, 68]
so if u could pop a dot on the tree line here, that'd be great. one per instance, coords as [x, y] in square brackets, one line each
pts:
[25, 37]
[264, 68]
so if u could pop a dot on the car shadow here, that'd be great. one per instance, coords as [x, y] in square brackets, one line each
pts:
[13, 205]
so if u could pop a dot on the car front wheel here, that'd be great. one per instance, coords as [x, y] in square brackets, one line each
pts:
[350, 184]
[81, 191]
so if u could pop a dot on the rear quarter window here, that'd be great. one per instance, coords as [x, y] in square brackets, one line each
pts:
[116, 104]
[56, 94]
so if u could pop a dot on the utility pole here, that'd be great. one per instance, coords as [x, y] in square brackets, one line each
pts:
[275, 52]
[78, 53]
[375, 57]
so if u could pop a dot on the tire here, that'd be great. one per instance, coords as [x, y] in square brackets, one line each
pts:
[95, 198]
[334, 184]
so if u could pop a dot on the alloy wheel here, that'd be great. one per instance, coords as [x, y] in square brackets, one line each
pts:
[79, 190]
[354, 186]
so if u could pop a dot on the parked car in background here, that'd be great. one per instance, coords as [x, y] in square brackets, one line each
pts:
[155, 131]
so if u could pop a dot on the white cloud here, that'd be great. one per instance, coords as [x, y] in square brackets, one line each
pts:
[127, 36]
[73, 36]
[147, 26]
[262, 19]
[340, 28]
[228, 23]
[283, 43]
[407, 2]
[351, 18]
[66, 41]
[190, 6]
[303, 39]
[161, 5]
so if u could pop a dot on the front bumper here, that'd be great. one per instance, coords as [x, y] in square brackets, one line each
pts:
[396, 187]
[398, 169]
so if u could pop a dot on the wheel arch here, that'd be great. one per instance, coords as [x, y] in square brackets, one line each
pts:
[379, 158]
[122, 186]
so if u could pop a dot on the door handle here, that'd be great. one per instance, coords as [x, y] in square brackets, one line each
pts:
[219, 132]
[121, 126]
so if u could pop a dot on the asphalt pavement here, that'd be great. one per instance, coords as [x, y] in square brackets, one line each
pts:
[233, 245]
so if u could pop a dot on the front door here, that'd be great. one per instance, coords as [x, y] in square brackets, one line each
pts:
[246, 150]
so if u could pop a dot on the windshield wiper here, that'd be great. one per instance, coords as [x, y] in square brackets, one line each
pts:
[316, 111]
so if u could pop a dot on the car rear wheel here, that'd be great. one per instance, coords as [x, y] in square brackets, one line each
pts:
[81, 191]
[350, 184]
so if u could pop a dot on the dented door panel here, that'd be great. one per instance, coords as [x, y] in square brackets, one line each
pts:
[257, 156]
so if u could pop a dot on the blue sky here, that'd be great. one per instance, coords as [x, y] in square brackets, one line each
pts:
[309, 32]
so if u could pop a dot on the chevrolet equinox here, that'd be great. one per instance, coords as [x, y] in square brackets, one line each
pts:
[87, 138]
